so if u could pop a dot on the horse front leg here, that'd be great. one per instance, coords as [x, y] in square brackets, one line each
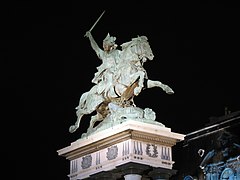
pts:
[166, 88]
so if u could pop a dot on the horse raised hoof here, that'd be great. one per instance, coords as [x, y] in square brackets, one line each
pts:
[168, 90]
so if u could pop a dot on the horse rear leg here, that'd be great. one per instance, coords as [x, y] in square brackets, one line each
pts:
[94, 119]
[74, 127]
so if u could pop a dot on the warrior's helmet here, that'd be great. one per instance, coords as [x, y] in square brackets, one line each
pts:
[109, 40]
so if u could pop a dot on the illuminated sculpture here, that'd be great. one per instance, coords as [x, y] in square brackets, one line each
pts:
[120, 78]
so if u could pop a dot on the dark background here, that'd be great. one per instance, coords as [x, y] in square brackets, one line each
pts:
[48, 64]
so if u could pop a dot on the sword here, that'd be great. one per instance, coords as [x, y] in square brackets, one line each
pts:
[95, 22]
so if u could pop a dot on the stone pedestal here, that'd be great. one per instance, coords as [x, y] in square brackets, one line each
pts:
[130, 149]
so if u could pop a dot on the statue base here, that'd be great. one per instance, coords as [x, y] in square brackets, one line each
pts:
[131, 148]
[120, 115]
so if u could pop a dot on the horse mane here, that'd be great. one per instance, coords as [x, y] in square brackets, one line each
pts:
[133, 41]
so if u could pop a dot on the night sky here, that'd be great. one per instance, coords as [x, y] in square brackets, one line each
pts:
[49, 64]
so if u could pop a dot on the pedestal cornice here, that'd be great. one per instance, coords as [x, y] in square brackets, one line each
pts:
[130, 129]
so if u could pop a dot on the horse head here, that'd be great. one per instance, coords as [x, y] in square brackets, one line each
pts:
[139, 47]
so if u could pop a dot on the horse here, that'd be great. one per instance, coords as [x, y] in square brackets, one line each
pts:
[127, 81]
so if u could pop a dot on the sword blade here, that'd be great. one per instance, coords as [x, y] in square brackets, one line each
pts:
[96, 21]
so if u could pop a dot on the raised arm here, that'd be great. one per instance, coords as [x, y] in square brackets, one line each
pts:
[94, 44]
